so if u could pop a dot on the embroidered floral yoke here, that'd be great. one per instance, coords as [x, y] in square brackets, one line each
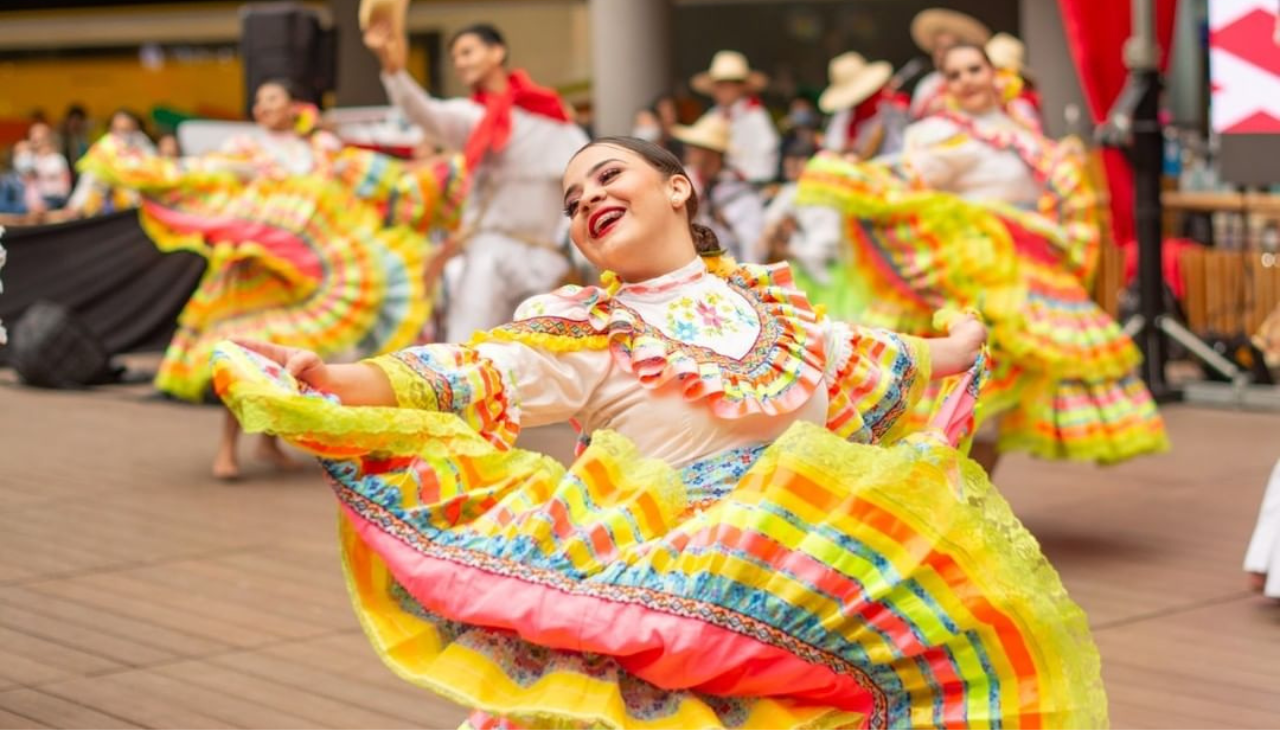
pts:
[745, 540]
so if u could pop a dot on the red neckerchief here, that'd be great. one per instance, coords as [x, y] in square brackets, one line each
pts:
[865, 110]
[494, 130]
[1032, 96]
[748, 103]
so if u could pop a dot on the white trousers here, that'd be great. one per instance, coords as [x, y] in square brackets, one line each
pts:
[490, 279]
[1263, 555]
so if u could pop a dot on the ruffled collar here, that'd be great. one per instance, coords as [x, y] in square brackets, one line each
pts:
[690, 273]
[742, 339]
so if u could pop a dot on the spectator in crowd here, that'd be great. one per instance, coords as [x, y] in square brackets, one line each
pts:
[44, 169]
[731, 205]
[167, 146]
[655, 123]
[753, 141]
[802, 126]
[74, 133]
[92, 196]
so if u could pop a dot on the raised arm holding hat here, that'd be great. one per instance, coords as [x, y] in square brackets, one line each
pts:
[517, 137]
[753, 140]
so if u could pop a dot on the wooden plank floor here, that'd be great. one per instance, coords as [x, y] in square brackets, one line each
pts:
[135, 591]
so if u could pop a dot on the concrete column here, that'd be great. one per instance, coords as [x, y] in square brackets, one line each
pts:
[1050, 60]
[630, 59]
[358, 83]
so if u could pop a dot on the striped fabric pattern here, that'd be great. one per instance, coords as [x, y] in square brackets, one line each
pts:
[1063, 381]
[833, 584]
[298, 261]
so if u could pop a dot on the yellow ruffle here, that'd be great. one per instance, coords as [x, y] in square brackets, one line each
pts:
[951, 510]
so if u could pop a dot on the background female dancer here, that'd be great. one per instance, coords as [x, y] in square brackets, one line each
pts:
[980, 212]
[307, 243]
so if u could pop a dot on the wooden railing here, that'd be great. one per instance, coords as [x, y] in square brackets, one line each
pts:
[1228, 292]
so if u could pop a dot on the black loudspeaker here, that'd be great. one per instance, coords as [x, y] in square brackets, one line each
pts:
[287, 41]
[50, 348]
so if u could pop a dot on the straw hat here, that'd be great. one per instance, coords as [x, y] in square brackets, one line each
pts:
[853, 80]
[728, 66]
[393, 11]
[928, 24]
[711, 132]
[1007, 53]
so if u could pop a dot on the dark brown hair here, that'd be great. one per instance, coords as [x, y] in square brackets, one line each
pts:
[965, 46]
[657, 157]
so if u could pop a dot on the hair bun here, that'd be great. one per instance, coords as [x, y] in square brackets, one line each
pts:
[705, 240]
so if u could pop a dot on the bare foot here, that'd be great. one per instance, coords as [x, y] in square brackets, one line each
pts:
[1257, 582]
[226, 468]
[269, 450]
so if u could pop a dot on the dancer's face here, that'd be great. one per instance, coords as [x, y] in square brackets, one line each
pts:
[625, 215]
[971, 80]
[474, 60]
[727, 93]
[123, 126]
[273, 108]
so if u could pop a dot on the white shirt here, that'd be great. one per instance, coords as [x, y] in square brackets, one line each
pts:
[736, 214]
[50, 172]
[818, 240]
[753, 140]
[926, 90]
[971, 168]
[891, 120]
[517, 190]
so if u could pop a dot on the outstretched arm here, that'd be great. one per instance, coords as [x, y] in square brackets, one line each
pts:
[449, 122]
[359, 384]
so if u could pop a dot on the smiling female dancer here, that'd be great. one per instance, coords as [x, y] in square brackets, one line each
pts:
[746, 538]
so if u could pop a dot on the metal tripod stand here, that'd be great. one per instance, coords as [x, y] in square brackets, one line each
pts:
[1134, 124]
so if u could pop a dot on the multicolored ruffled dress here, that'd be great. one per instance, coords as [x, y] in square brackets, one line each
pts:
[322, 247]
[982, 214]
[745, 540]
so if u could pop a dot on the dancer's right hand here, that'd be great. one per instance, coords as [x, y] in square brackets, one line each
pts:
[380, 37]
[357, 384]
[304, 365]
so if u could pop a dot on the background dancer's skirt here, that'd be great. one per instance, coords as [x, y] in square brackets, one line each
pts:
[1064, 382]
[306, 261]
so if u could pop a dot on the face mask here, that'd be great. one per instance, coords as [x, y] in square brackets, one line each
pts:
[647, 133]
[803, 118]
[24, 162]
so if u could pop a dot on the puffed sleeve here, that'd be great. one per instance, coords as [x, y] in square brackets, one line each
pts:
[935, 154]
[498, 386]
[875, 378]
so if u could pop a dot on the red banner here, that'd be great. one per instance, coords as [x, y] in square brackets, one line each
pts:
[1096, 32]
